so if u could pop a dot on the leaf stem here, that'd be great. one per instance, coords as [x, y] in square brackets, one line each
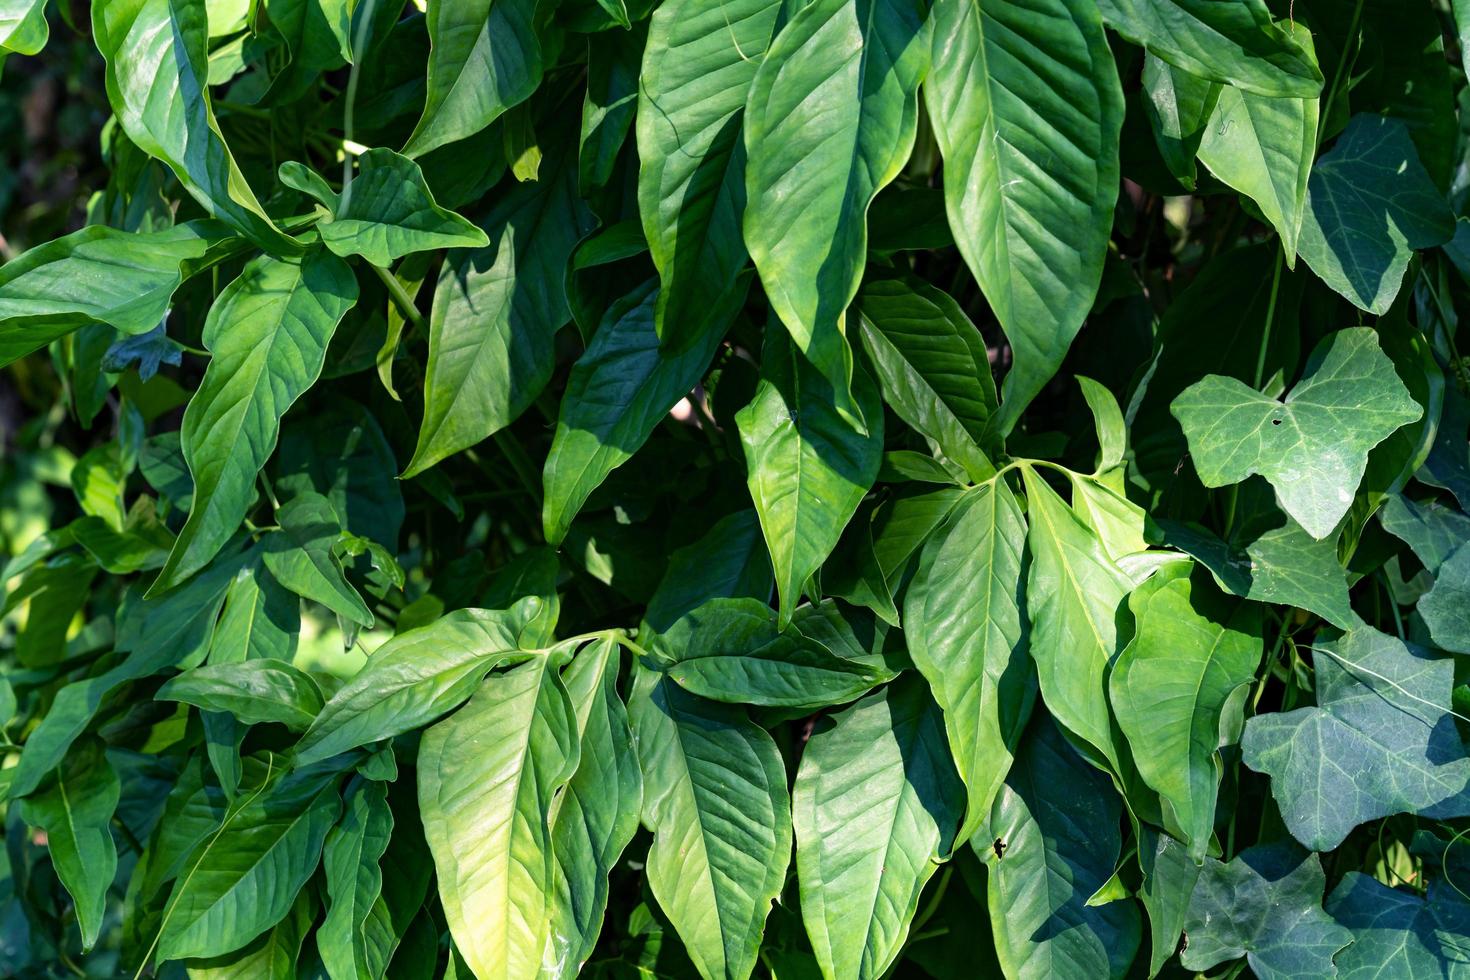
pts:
[1348, 41]
[399, 296]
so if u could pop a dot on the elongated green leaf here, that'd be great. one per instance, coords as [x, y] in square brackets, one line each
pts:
[1446, 607]
[1236, 43]
[807, 466]
[1348, 400]
[75, 811]
[261, 620]
[1052, 842]
[302, 557]
[715, 798]
[609, 105]
[1026, 108]
[730, 560]
[966, 634]
[417, 677]
[1177, 690]
[157, 67]
[830, 119]
[484, 58]
[99, 275]
[318, 34]
[875, 808]
[1378, 742]
[618, 391]
[697, 68]
[1265, 905]
[268, 333]
[496, 313]
[253, 691]
[487, 776]
[272, 956]
[1072, 597]
[1369, 205]
[1396, 934]
[356, 939]
[1179, 106]
[387, 211]
[932, 367]
[1169, 876]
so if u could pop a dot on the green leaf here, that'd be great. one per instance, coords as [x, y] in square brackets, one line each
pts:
[356, 939]
[731, 650]
[272, 956]
[317, 33]
[1378, 742]
[387, 211]
[1169, 876]
[875, 807]
[1432, 530]
[341, 452]
[100, 275]
[75, 811]
[1396, 934]
[484, 58]
[157, 83]
[1446, 607]
[417, 677]
[487, 777]
[1179, 106]
[1026, 108]
[1053, 841]
[1369, 205]
[261, 620]
[1072, 597]
[1265, 905]
[932, 367]
[242, 879]
[966, 634]
[302, 558]
[619, 389]
[698, 65]
[609, 105]
[495, 316]
[729, 560]
[1348, 400]
[715, 799]
[254, 691]
[807, 466]
[830, 119]
[23, 27]
[268, 333]
[1235, 43]
[1112, 431]
[1178, 690]
[598, 813]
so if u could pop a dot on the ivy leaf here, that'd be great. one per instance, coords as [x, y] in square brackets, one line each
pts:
[268, 333]
[1433, 531]
[1396, 934]
[714, 796]
[253, 691]
[1265, 905]
[387, 211]
[1446, 607]
[1379, 741]
[1235, 43]
[875, 807]
[1348, 401]
[830, 119]
[1369, 204]
[807, 466]
[967, 635]
[1179, 106]
[697, 68]
[301, 557]
[1178, 690]
[1021, 94]
[487, 777]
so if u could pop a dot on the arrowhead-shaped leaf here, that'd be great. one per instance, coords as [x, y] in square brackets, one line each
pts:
[302, 557]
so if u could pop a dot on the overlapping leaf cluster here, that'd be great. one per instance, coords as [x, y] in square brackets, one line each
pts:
[521, 489]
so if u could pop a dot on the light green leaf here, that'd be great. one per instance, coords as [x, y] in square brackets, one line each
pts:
[697, 68]
[253, 691]
[356, 939]
[1179, 106]
[931, 365]
[268, 333]
[966, 634]
[830, 120]
[875, 807]
[23, 27]
[1313, 445]
[302, 557]
[1169, 875]
[715, 798]
[75, 811]
[387, 211]
[1112, 431]
[418, 677]
[1026, 107]
[317, 34]
[142, 545]
[261, 620]
[1236, 43]
[1446, 607]
[495, 316]
[1265, 905]
[487, 778]
[1369, 205]
[1397, 934]
[484, 58]
[807, 466]
[1178, 690]
[272, 956]
[1378, 742]
[157, 83]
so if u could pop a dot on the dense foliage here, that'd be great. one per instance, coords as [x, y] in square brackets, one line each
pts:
[521, 488]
